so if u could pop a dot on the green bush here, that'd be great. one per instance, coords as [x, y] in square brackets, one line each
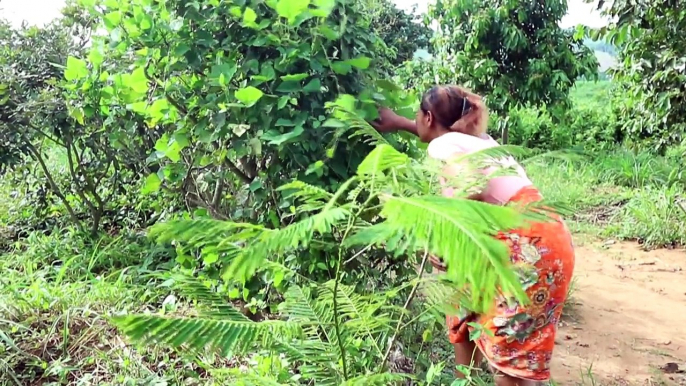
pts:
[655, 217]
[534, 128]
[639, 169]
[590, 123]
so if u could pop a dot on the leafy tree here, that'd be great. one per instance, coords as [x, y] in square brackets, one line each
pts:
[512, 52]
[32, 110]
[220, 103]
[651, 69]
[238, 92]
[403, 31]
[42, 119]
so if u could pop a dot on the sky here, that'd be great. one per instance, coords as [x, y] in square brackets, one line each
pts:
[39, 12]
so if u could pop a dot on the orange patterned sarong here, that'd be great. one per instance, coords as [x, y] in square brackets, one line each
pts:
[522, 337]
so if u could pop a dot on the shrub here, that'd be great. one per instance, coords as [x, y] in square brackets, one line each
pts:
[654, 217]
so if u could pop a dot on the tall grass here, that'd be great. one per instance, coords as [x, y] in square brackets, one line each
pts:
[57, 291]
[620, 194]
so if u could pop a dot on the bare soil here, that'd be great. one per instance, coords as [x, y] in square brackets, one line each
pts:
[626, 321]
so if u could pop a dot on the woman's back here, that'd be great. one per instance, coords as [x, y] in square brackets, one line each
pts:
[499, 190]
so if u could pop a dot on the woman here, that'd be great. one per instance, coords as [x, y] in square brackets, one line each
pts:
[519, 348]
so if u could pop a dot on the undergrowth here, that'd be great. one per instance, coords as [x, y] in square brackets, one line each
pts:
[621, 194]
[57, 290]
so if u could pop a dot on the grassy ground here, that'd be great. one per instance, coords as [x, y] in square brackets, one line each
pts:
[57, 290]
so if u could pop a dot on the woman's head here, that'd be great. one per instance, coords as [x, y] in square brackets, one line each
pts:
[450, 108]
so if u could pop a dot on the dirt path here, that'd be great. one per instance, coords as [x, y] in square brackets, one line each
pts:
[627, 319]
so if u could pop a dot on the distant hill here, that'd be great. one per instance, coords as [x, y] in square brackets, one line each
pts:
[605, 60]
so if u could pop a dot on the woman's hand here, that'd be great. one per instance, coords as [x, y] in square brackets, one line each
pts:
[438, 263]
[388, 121]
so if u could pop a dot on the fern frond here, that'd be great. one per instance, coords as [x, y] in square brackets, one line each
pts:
[313, 197]
[317, 361]
[222, 236]
[197, 334]
[276, 242]
[301, 307]
[496, 152]
[355, 192]
[211, 304]
[382, 379]
[382, 158]
[376, 235]
[357, 127]
[543, 211]
[437, 293]
[474, 257]
[363, 315]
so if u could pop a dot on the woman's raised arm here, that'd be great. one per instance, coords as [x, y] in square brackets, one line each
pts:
[389, 122]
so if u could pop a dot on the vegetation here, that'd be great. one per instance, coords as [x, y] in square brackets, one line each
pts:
[190, 192]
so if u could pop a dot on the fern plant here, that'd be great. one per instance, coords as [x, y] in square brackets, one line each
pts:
[334, 332]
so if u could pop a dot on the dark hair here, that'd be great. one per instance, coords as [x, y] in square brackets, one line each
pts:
[456, 108]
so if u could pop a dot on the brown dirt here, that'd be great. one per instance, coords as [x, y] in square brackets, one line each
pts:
[626, 322]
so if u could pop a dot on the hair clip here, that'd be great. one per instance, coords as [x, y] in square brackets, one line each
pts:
[465, 106]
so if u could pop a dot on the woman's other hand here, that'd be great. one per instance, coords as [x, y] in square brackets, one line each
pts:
[388, 121]
[438, 263]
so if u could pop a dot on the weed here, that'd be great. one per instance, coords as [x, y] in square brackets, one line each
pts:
[653, 218]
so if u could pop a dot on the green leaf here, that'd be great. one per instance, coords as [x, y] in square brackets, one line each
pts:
[137, 81]
[325, 5]
[294, 77]
[328, 33]
[382, 158]
[361, 62]
[249, 16]
[76, 69]
[341, 68]
[333, 123]
[346, 101]
[256, 146]
[387, 85]
[289, 87]
[249, 95]
[112, 19]
[152, 184]
[235, 11]
[232, 333]
[210, 258]
[315, 85]
[278, 139]
[77, 114]
[284, 122]
[225, 70]
[291, 9]
[278, 277]
[95, 56]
